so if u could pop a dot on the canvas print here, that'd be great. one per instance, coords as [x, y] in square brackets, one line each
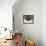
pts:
[28, 19]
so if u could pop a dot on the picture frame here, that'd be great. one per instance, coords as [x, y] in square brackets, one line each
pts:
[28, 19]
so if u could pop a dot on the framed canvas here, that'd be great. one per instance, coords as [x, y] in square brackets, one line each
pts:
[28, 19]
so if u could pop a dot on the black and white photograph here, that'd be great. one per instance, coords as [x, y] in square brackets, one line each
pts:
[28, 19]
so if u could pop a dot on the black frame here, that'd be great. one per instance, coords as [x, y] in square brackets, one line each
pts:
[32, 17]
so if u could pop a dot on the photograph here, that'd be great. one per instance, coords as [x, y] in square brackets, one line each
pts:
[28, 19]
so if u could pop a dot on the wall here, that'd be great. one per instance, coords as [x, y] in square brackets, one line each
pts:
[43, 22]
[30, 31]
[6, 13]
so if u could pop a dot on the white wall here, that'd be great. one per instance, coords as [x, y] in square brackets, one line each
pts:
[31, 31]
[6, 13]
[43, 22]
